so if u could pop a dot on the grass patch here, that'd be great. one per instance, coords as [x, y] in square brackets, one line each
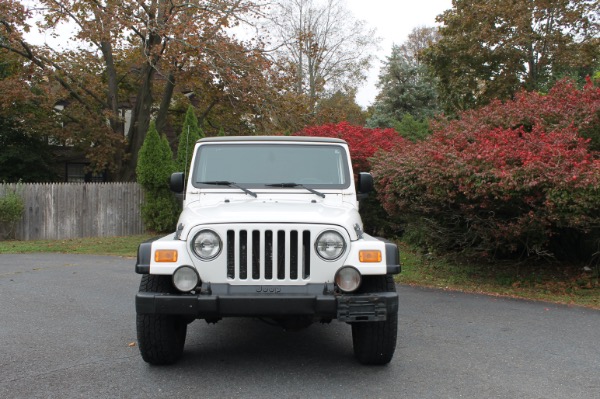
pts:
[120, 246]
[553, 282]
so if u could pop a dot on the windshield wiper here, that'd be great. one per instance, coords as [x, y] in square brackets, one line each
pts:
[296, 185]
[228, 184]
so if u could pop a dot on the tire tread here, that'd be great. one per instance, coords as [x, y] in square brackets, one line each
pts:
[375, 342]
[161, 338]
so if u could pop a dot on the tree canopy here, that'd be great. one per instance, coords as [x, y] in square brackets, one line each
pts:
[491, 49]
[138, 55]
[25, 154]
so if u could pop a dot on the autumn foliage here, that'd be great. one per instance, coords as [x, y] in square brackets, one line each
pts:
[516, 178]
[363, 142]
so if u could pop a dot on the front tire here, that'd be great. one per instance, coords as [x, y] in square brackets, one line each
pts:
[160, 337]
[375, 342]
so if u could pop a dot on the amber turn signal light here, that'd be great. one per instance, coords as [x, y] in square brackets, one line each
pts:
[369, 256]
[165, 255]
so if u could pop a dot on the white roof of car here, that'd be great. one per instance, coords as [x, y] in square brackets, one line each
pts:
[302, 139]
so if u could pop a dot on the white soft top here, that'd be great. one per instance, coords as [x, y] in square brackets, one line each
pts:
[299, 139]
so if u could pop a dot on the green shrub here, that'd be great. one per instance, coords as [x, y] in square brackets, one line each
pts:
[11, 211]
[412, 129]
[155, 161]
[160, 209]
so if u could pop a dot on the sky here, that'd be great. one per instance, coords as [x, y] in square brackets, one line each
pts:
[394, 20]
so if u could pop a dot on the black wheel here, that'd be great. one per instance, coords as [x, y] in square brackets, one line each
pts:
[160, 337]
[375, 342]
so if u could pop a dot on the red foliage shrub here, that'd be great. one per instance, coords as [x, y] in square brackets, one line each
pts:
[562, 107]
[498, 180]
[363, 142]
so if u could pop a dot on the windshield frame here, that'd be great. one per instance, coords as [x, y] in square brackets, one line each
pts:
[344, 167]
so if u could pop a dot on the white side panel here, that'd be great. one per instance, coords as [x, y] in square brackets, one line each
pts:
[183, 256]
[367, 243]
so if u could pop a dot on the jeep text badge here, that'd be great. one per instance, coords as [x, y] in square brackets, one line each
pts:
[268, 289]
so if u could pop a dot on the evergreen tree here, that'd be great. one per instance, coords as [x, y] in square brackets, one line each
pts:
[155, 165]
[154, 168]
[406, 87]
[190, 133]
[167, 155]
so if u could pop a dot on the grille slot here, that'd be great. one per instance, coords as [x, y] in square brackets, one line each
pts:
[306, 246]
[230, 254]
[270, 255]
[256, 254]
[243, 255]
[281, 255]
[294, 255]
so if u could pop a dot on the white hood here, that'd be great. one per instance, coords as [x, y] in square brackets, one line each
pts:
[270, 211]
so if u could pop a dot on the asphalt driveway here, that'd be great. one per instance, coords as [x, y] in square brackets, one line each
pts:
[67, 330]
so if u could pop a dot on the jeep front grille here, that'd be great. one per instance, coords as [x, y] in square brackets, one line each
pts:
[274, 255]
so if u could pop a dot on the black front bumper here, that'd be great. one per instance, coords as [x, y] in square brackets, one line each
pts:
[265, 301]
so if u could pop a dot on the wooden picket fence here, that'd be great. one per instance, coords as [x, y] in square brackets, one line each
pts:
[76, 210]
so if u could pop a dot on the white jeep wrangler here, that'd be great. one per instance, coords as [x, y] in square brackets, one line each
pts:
[270, 229]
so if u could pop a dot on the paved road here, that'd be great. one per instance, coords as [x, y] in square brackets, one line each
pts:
[67, 322]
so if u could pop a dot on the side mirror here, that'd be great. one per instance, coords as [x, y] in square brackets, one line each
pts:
[365, 183]
[177, 182]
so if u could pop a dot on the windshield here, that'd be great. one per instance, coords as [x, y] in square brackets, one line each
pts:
[258, 165]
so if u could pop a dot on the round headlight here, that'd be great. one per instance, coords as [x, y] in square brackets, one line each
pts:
[330, 245]
[185, 278]
[348, 279]
[206, 245]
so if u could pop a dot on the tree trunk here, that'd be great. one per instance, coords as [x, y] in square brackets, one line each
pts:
[112, 100]
[117, 125]
[161, 118]
[140, 120]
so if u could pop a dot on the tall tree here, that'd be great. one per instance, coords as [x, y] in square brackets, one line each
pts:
[321, 43]
[190, 133]
[406, 85]
[491, 49]
[161, 40]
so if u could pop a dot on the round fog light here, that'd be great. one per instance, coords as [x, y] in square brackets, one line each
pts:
[185, 279]
[348, 279]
